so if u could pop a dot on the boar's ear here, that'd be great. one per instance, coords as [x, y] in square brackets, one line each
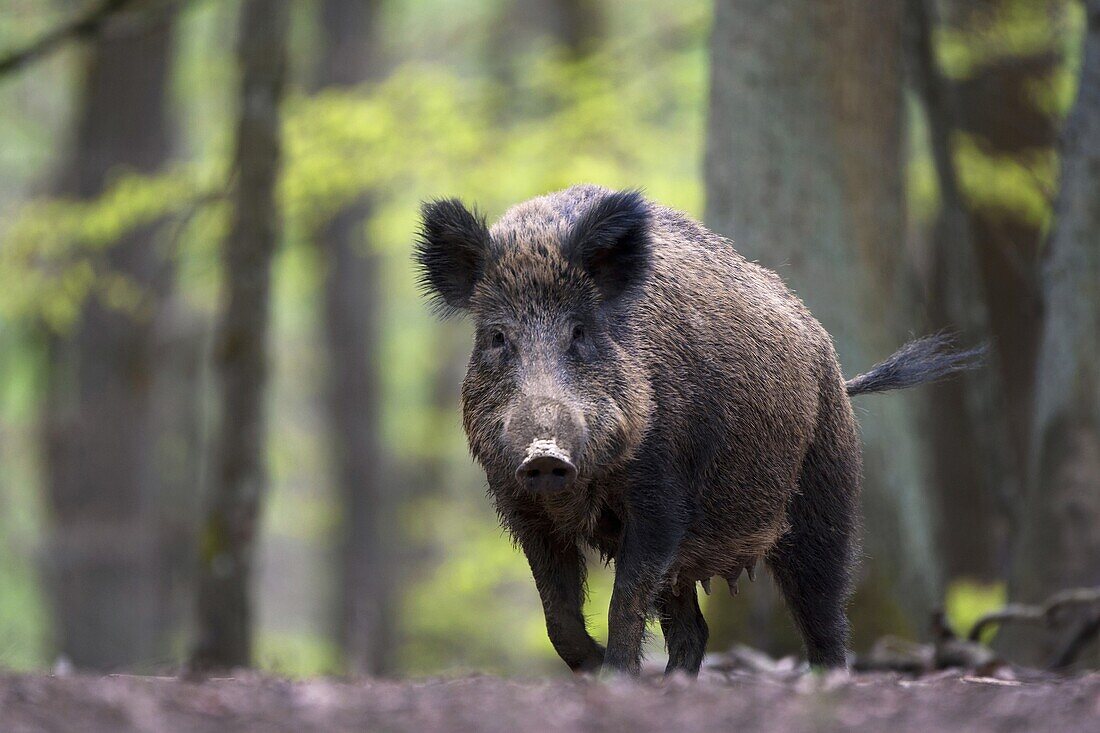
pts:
[451, 252]
[610, 242]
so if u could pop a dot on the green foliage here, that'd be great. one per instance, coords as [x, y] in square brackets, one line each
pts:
[296, 655]
[1005, 30]
[477, 608]
[23, 621]
[52, 254]
[1021, 185]
[967, 601]
[422, 132]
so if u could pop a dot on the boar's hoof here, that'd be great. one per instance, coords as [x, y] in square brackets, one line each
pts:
[751, 567]
[706, 585]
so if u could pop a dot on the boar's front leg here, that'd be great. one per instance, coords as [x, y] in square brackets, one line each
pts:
[559, 572]
[651, 536]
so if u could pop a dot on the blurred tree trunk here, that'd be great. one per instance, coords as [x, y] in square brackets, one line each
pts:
[573, 27]
[997, 109]
[804, 172]
[224, 625]
[352, 330]
[981, 422]
[961, 420]
[576, 24]
[109, 599]
[180, 390]
[1058, 543]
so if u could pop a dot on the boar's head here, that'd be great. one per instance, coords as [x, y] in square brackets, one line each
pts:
[554, 395]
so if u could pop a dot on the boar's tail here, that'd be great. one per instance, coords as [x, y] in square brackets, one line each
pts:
[927, 359]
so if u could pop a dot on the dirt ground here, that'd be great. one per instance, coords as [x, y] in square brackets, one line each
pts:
[946, 701]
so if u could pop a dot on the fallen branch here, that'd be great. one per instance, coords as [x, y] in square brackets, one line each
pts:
[1048, 615]
[84, 25]
[1084, 634]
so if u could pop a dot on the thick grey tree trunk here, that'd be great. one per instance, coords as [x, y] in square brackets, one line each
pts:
[352, 334]
[228, 533]
[1058, 542]
[109, 598]
[803, 172]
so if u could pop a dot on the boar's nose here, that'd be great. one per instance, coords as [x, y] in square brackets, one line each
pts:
[546, 469]
[546, 436]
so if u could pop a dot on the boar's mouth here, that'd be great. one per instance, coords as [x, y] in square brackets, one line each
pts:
[546, 467]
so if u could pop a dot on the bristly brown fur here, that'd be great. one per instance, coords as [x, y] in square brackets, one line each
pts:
[702, 404]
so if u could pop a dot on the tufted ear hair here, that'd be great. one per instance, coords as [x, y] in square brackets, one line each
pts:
[450, 253]
[610, 242]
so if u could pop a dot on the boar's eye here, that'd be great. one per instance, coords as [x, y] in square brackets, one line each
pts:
[496, 339]
[578, 332]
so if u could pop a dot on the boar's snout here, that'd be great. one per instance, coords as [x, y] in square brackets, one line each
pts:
[546, 472]
[546, 436]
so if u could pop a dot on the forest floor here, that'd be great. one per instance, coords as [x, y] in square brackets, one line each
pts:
[945, 701]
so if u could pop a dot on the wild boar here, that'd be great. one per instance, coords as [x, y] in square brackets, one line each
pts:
[638, 387]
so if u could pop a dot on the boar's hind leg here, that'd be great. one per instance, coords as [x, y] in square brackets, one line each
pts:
[813, 562]
[558, 569]
[684, 627]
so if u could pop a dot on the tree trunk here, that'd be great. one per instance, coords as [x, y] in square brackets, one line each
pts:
[232, 515]
[574, 27]
[965, 436]
[1058, 543]
[981, 451]
[367, 569]
[352, 332]
[803, 171]
[998, 108]
[104, 489]
[576, 24]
